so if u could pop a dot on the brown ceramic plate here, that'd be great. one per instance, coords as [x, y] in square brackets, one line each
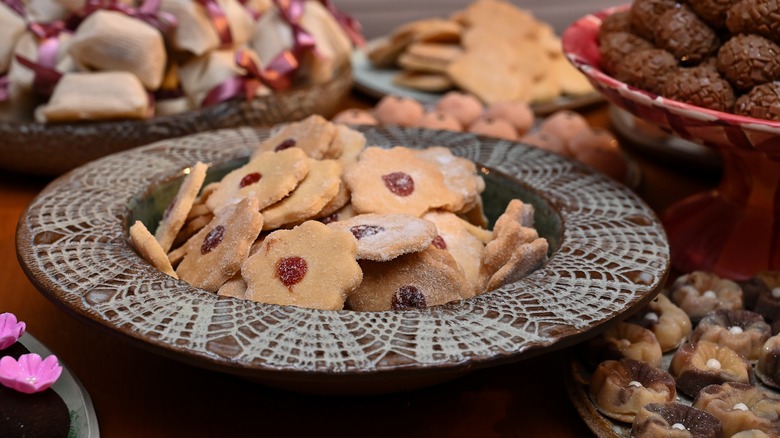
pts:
[53, 149]
[609, 255]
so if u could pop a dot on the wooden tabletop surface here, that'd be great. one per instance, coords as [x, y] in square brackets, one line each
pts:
[137, 393]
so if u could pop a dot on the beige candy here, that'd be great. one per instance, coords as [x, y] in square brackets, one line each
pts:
[216, 253]
[179, 207]
[150, 250]
[27, 46]
[97, 96]
[309, 266]
[109, 40]
[382, 237]
[412, 281]
[45, 11]
[319, 188]
[200, 75]
[12, 27]
[333, 47]
[197, 34]
[313, 135]
[268, 177]
[398, 181]
[431, 82]
[466, 249]
[460, 174]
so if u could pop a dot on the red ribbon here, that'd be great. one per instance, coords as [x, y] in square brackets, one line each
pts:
[45, 77]
[16, 5]
[219, 20]
[149, 12]
[252, 79]
[5, 88]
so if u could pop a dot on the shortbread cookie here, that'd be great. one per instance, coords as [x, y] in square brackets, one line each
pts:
[150, 248]
[429, 57]
[216, 253]
[514, 253]
[516, 211]
[319, 188]
[197, 210]
[179, 207]
[382, 237]
[398, 181]
[346, 212]
[466, 249]
[524, 260]
[235, 288]
[476, 217]
[268, 177]
[460, 174]
[309, 266]
[191, 227]
[412, 281]
[430, 82]
[488, 75]
[342, 198]
[313, 135]
[350, 143]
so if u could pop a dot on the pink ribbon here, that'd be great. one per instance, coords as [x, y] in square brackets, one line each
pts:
[219, 20]
[351, 27]
[149, 12]
[45, 77]
[16, 5]
[252, 80]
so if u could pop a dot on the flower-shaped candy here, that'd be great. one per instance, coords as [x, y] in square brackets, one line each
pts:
[30, 373]
[10, 330]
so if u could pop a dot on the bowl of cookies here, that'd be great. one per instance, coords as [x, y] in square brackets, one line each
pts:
[319, 257]
[710, 75]
[154, 70]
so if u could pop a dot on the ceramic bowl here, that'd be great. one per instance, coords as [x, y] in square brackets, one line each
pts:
[744, 239]
[54, 148]
[608, 256]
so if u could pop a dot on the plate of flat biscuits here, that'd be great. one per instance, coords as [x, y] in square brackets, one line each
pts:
[470, 51]
[323, 258]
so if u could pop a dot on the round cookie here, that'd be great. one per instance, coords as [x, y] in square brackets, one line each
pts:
[268, 177]
[460, 174]
[491, 127]
[396, 110]
[179, 208]
[547, 142]
[564, 125]
[440, 120]
[412, 281]
[398, 181]
[216, 253]
[309, 266]
[383, 237]
[355, 117]
[519, 114]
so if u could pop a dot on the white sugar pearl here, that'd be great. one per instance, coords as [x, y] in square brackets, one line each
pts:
[651, 316]
[735, 330]
[713, 364]
[741, 407]
[776, 292]
[678, 426]
[709, 294]
[635, 384]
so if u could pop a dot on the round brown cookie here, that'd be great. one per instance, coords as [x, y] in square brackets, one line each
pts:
[150, 248]
[267, 177]
[460, 174]
[309, 266]
[216, 253]
[313, 135]
[412, 281]
[466, 249]
[235, 288]
[179, 207]
[319, 188]
[429, 57]
[398, 181]
[382, 237]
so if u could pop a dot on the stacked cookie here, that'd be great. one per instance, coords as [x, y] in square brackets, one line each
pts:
[317, 219]
[491, 49]
[64, 61]
[688, 360]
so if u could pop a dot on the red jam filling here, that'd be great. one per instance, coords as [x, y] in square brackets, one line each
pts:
[399, 183]
[439, 242]
[290, 142]
[408, 297]
[250, 179]
[213, 239]
[361, 231]
[291, 270]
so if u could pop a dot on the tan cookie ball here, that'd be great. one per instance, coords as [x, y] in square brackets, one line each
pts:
[519, 114]
[492, 127]
[440, 120]
[466, 108]
[355, 117]
[600, 150]
[396, 110]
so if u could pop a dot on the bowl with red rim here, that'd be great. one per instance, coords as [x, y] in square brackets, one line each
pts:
[744, 239]
[608, 256]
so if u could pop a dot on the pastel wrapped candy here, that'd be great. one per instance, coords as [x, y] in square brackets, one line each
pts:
[45, 11]
[205, 25]
[97, 96]
[112, 41]
[51, 53]
[12, 27]
[218, 68]
[332, 45]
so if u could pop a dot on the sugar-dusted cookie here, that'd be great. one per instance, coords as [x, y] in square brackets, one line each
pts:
[319, 188]
[338, 202]
[398, 181]
[514, 252]
[309, 266]
[412, 281]
[382, 237]
[349, 143]
[525, 259]
[345, 213]
[191, 227]
[478, 222]
[429, 57]
[235, 288]
[313, 135]
[179, 207]
[466, 249]
[215, 254]
[268, 177]
[460, 174]
[149, 248]
[516, 211]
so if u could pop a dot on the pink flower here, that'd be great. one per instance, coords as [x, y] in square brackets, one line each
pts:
[10, 330]
[30, 373]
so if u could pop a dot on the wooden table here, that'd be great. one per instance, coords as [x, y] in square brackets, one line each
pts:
[140, 394]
